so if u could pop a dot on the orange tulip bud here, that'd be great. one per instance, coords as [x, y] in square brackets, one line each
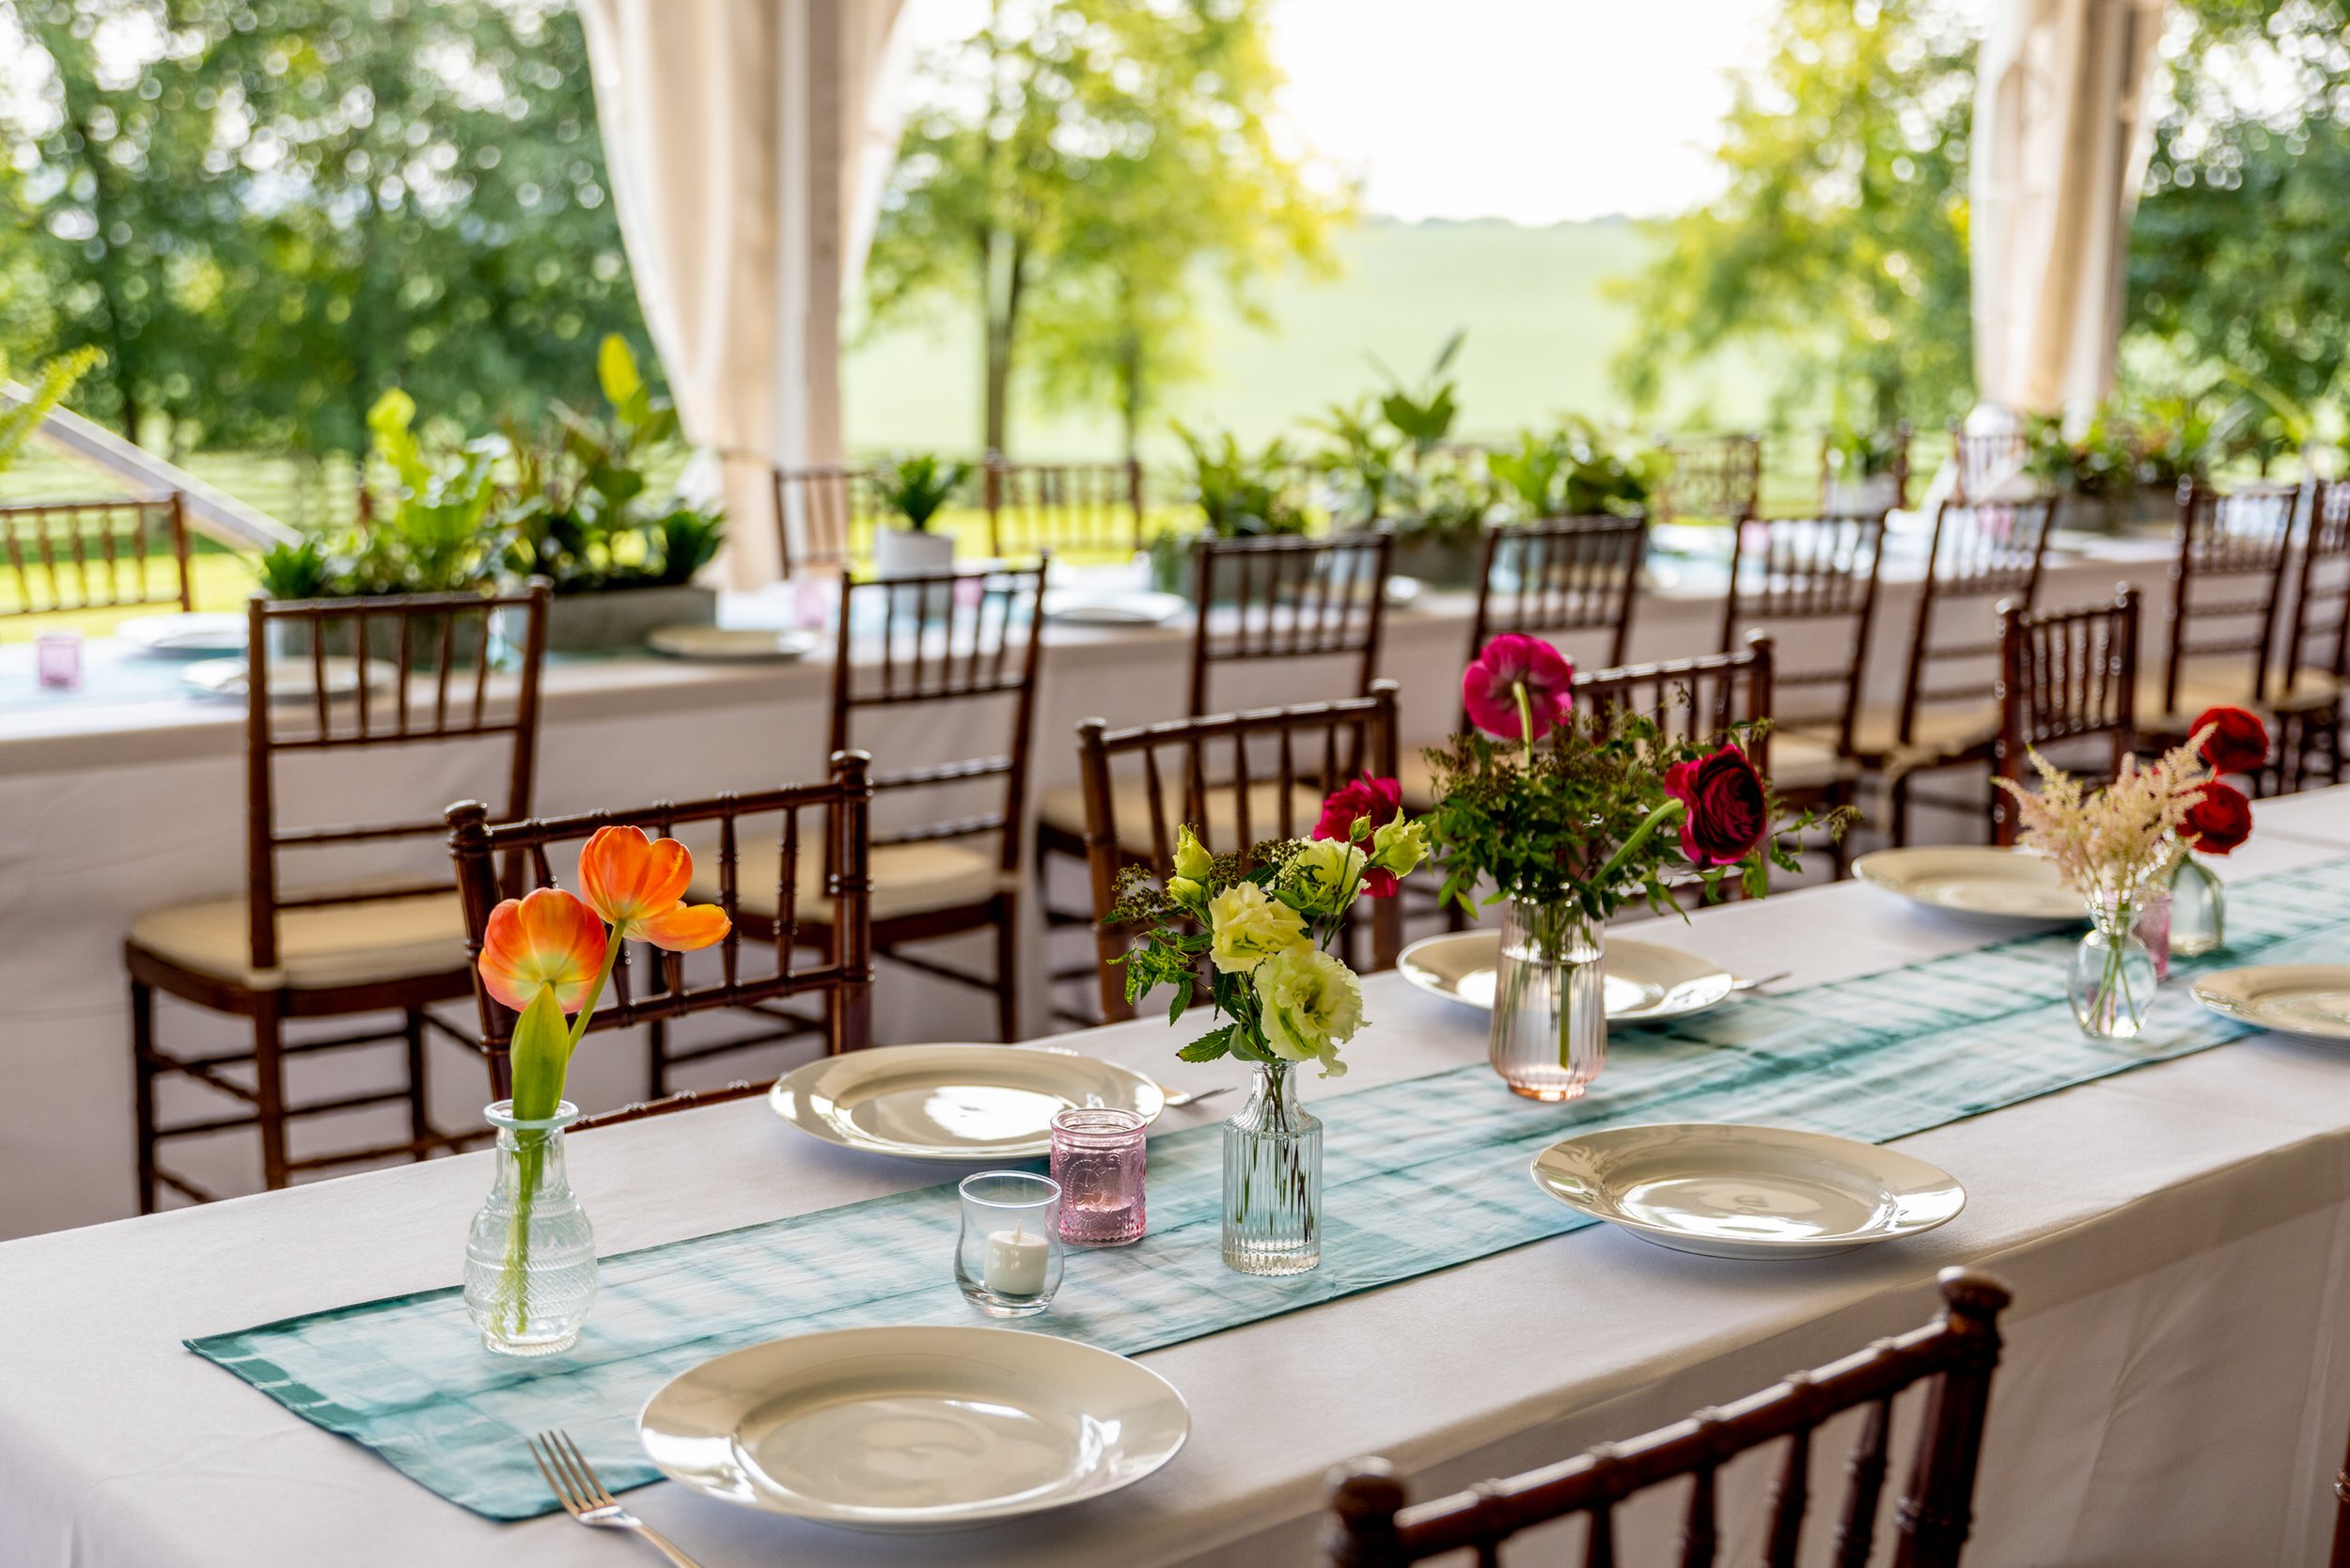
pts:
[549, 941]
[638, 885]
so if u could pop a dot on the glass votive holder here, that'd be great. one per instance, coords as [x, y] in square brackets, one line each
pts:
[57, 660]
[1008, 1257]
[1098, 1159]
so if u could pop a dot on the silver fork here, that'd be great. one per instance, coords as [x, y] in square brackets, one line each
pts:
[1176, 1099]
[583, 1496]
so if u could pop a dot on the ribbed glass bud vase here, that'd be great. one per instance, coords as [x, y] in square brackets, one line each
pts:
[1549, 1036]
[1272, 1178]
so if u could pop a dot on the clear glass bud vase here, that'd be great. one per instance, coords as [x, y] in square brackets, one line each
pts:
[1272, 1178]
[2198, 909]
[1549, 1035]
[530, 1261]
[2113, 981]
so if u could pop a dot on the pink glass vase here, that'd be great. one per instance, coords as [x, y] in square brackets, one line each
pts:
[1098, 1160]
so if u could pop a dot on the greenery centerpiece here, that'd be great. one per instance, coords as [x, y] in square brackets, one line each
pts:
[1568, 811]
[1391, 463]
[1240, 493]
[1264, 925]
[915, 488]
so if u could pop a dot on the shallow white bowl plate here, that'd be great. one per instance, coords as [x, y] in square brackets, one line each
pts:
[1731, 1191]
[733, 644]
[293, 680]
[172, 635]
[2311, 1000]
[1645, 983]
[1974, 883]
[1114, 607]
[963, 1103]
[913, 1428]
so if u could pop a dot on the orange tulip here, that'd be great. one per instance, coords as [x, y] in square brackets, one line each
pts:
[638, 885]
[549, 941]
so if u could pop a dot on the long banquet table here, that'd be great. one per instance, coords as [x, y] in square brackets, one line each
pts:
[132, 796]
[2178, 1237]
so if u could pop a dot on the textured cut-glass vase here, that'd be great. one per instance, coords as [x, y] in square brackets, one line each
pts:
[530, 1261]
[1549, 1035]
[2198, 909]
[2112, 981]
[2154, 929]
[1273, 1178]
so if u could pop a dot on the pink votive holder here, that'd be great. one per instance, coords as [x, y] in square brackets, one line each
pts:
[57, 660]
[1097, 1159]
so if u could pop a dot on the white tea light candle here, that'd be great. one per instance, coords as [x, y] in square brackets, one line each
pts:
[1017, 1262]
[1008, 1253]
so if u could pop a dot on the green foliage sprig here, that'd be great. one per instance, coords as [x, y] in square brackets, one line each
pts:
[916, 486]
[50, 384]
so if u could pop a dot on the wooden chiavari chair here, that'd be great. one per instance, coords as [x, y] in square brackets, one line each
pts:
[2064, 676]
[785, 888]
[2227, 590]
[273, 955]
[932, 644]
[2316, 669]
[1716, 476]
[1060, 507]
[824, 516]
[1802, 574]
[68, 556]
[1693, 700]
[1238, 779]
[1948, 717]
[1373, 1525]
[1985, 463]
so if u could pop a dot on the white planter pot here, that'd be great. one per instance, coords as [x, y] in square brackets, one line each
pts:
[904, 552]
[1860, 497]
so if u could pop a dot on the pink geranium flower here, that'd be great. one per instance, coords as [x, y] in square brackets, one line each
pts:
[1490, 687]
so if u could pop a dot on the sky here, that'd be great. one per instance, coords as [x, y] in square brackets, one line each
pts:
[1536, 110]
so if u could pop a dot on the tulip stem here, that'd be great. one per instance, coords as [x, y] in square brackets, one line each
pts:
[1640, 836]
[595, 992]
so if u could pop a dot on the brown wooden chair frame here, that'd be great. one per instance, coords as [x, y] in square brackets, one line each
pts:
[844, 979]
[1371, 1525]
[409, 715]
[2064, 675]
[839, 510]
[1982, 459]
[1034, 506]
[1704, 687]
[1357, 735]
[2212, 550]
[1275, 598]
[81, 551]
[1712, 475]
[2311, 728]
[1574, 575]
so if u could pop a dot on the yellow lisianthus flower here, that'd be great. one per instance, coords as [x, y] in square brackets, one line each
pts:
[1310, 1004]
[1399, 845]
[1246, 927]
[1192, 860]
[1322, 877]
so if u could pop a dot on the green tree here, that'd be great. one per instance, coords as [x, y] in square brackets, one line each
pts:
[1841, 239]
[1079, 169]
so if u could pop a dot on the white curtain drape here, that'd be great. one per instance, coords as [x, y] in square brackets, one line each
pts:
[2062, 138]
[747, 142]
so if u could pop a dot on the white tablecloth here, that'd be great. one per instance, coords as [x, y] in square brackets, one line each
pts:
[2178, 1238]
[117, 807]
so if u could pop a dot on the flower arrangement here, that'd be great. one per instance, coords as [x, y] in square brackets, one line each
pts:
[1266, 923]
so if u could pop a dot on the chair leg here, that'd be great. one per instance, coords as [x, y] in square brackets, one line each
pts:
[1008, 968]
[657, 1058]
[420, 1113]
[143, 1074]
[269, 1089]
[1900, 826]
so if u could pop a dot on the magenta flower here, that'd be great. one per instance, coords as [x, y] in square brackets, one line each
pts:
[1515, 666]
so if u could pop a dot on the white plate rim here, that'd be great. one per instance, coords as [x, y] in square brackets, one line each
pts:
[1877, 869]
[1423, 978]
[863, 1520]
[2237, 1007]
[1069, 607]
[785, 1094]
[229, 628]
[1756, 1246]
[214, 677]
[780, 645]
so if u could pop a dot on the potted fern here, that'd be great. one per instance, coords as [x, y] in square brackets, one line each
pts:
[1240, 495]
[916, 487]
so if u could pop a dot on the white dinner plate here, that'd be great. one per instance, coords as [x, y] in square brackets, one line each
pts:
[1975, 883]
[962, 1102]
[203, 632]
[1731, 1191]
[290, 680]
[913, 1428]
[1123, 608]
[1645, 983]
[733, 644]
[2311, 1000]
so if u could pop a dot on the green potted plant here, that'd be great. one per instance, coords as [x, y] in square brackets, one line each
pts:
[917, 487]
[581, 516]
[1389, 465]
[2094, 473]
[1575, 471]
[1861, 469]
[1240, 493]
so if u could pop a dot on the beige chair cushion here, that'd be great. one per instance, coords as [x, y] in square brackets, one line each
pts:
[1801, 761]
[1418, 780]
[1941, 730]
[343, 944]
[908, 879]
[1065, 808]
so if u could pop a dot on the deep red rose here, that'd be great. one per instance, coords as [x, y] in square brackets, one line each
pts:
[1511, 660]
[1728, 812]
[2219, 820]
[1380, 801]
[2238, 742]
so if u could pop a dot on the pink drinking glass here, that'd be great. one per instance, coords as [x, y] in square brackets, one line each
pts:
[57, 660]
[1097, 1159]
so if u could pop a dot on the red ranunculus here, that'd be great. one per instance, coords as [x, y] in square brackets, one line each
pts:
[1728, 812]
[2220, 819]
[2238, 742]
[1380, 801]
[1489, 686]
